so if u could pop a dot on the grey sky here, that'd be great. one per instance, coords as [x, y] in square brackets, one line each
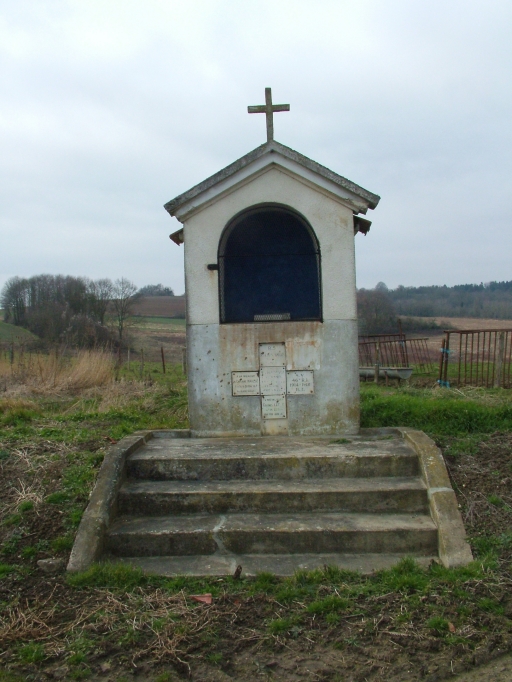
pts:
[111, 108]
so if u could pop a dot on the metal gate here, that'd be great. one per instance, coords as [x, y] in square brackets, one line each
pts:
[477, 357]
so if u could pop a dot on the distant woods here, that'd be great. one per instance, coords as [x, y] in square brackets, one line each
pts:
[155, 290]
[379, 309]
[74, 310]
[491, 300]
[375, 312]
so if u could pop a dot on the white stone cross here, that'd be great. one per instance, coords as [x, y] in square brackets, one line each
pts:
[273, 382]
[268, 108]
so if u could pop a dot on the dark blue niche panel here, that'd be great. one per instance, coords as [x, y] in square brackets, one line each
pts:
[269, 263]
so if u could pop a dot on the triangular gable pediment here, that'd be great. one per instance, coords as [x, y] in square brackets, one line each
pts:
[271, 154]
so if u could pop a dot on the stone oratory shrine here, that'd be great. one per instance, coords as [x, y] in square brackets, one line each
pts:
[271, 294]
[274, 473]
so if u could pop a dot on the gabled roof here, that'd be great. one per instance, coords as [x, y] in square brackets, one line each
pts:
[276, 149]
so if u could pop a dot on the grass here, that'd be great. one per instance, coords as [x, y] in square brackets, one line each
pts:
[10, 332]
[157, 322]
[439, 412]
[55, 373]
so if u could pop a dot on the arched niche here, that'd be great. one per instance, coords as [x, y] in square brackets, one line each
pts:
[269, 267]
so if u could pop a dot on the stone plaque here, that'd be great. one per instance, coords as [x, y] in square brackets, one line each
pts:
[245, 383]
[273, 406]
[300, 382]
[272, 380]
[272, 355]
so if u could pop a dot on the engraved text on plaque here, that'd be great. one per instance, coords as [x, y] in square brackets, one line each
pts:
[300, 382]
[272, 355]
[273, 406]
[245, 383]
[272, 380]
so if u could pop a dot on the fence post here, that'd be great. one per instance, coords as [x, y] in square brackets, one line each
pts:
[377, 362]
[447, 357]
[184, 359]
[441, 362]
[499, 361]
[163, 358]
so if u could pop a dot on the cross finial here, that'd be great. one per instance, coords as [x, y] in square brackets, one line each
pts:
[268, 108]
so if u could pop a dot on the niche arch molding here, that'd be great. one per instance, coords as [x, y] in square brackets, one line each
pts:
[269, 263]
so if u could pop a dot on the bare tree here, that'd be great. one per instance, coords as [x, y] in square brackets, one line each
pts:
[124, 295]
[100, 294]
[14, 300]
[376, 312]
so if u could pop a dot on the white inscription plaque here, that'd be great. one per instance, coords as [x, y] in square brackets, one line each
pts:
[245, 383]
[272, 380]
[272, 355]
[273, 406]
[300, 382]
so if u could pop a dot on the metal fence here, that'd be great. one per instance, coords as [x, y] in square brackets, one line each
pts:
[395, 350]
[477, 357]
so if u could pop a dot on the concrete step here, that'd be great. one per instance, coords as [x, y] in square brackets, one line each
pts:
[382, 495]
[279, 564]
[239, 459]
[272, 534]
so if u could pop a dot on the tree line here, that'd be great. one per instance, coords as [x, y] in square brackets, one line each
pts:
[492, 300]
[62, 308]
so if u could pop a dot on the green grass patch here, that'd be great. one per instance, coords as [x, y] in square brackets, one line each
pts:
[63, 543]
[331, 604]
[12, 520]
[6, 569]
[281, 626]
[31, 653]
[58, 497]
[111, 576]
[438, 625]
[496, 500]
[10, 332]
[436, 412]
[145, 322]
[491, 546]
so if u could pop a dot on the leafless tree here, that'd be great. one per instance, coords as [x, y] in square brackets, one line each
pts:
[124, 295]
[100, 294]
[14, 300]
[376, 312]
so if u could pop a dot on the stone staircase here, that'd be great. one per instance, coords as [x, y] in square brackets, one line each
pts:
[204, 506]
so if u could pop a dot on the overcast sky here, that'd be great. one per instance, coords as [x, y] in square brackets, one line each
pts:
[110, 108]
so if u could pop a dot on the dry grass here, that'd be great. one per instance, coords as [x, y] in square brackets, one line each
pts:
[117, 396]
[53, 373]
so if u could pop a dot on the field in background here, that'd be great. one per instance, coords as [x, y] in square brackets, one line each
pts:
[155, 326]
[151, 334]
[9, 333]
[435, 336]
[472, 323]
[160, 306]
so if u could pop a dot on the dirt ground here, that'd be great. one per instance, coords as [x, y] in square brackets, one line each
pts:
[384, 637]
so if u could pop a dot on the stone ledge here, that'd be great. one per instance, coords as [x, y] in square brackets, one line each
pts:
[89, 540]
[454, 549]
